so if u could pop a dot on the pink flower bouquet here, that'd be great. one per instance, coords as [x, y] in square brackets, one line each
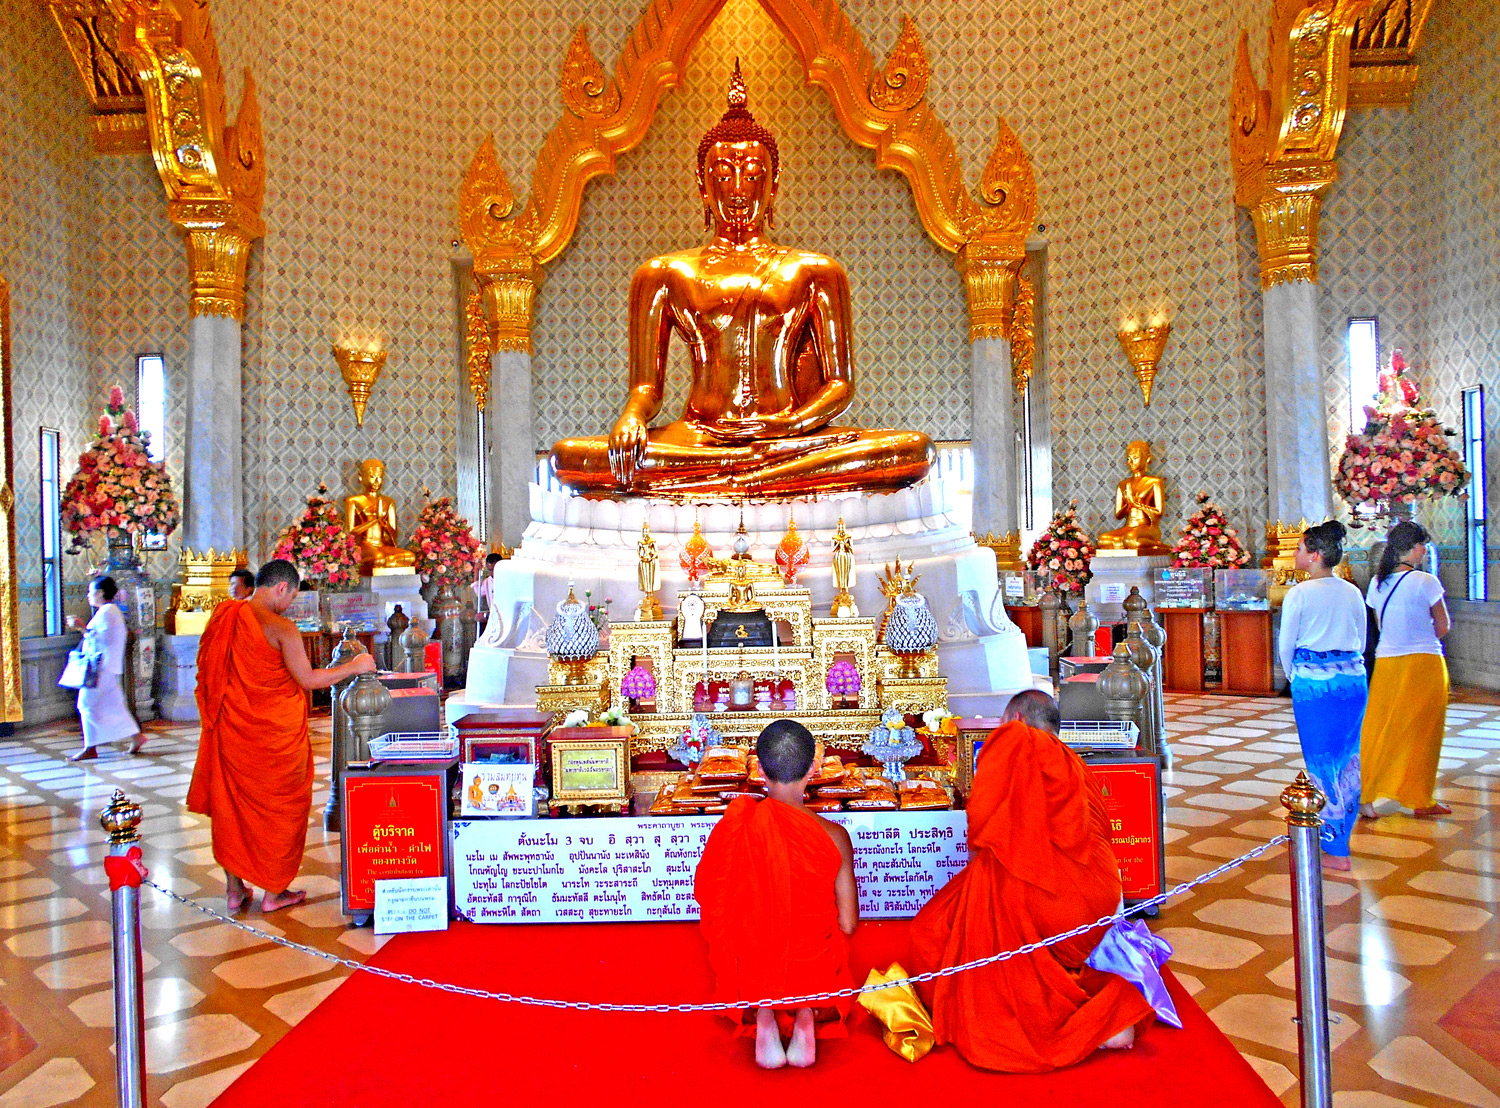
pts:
[118, 491]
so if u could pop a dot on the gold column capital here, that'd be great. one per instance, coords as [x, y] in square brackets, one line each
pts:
[1284, 137]
[989, 271]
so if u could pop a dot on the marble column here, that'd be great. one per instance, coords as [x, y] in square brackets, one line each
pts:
[993, 434]
[511, 445]
[1296, 409]
[213, 504]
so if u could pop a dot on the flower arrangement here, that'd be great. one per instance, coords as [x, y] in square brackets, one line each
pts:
[940, 721]
[1062, 553]
[615, 717]
[599, 613]
[118, 491]
[318, 545]
[843, 679]
[1207, 541]
[444, 543]
[638, 684]
[1403, 454]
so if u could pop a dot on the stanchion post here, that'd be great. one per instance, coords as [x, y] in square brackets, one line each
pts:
[347, 650]
[1146, 661]
[1051, 601]
[1082, 627]
[122, 819]
[365, 703]
[1303, 802]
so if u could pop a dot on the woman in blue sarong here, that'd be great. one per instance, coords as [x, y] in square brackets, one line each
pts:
[1322, 647]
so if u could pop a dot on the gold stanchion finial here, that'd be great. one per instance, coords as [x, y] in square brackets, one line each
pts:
[1303, 801]
[122, 819]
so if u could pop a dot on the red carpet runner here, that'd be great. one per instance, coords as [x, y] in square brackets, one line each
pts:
[377, 1043]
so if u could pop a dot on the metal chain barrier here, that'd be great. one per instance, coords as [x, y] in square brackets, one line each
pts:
[723, 1006]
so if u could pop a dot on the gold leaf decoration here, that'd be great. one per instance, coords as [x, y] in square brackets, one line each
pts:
[244, 167]
[586, 89]
[477, 359]
[1008, 184]
[1023, 333]
[902, 81]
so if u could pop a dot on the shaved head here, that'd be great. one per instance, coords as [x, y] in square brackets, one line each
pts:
[1035, 709]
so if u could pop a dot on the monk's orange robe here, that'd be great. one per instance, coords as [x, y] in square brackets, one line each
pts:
[254, 772]
[765, 888]
[1040, 863]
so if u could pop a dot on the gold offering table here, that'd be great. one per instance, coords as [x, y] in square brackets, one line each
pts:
[808, 647]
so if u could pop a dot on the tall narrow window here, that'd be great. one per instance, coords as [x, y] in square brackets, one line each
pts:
[51, 519]
[1364, 368]
[1478, 508]
[1028, 478]
[151, 400]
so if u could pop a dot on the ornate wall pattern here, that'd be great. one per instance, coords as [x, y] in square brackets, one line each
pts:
[47, 254]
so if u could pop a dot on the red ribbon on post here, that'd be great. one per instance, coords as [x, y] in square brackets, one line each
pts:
[125, 870]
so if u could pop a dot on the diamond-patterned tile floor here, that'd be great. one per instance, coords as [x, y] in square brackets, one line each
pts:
[1413, 942]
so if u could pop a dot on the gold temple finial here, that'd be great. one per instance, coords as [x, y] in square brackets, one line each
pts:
[360, 370]
[1143, 348]
[738, 97]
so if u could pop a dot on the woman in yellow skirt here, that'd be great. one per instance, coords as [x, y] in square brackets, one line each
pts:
[1403, 730]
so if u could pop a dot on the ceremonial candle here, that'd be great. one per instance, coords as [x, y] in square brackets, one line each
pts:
[775, 650]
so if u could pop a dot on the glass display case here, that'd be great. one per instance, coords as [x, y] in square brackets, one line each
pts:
[1242, 590]
[1019, 587]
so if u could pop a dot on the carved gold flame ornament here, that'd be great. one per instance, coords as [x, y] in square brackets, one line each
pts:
[361, 369]
[1143, 347]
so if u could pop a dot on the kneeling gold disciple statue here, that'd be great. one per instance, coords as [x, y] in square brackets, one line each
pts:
[768, 333]
[370, 517]
[1140, 500]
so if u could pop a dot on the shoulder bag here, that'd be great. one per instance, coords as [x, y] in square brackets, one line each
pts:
[1372, 625]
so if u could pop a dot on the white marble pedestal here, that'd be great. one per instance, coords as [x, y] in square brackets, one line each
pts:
[1115, 571]
[388, 590]
[591, 543]
[179, 677]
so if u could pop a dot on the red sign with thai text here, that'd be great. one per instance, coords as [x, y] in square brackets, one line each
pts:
[393, 827]
[1131, 796]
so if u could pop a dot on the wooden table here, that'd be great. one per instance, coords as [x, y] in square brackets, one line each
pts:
[1028, 617]
[1245, 650]
[1182, 668]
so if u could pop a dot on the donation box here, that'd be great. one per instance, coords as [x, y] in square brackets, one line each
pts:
[395, 825]
[1132, 797]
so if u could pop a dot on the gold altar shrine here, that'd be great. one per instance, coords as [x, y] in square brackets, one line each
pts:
[887, 680]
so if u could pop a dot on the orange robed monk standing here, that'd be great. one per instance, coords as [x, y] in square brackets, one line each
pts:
[254, 772]
[1040, 863]
[777, 893]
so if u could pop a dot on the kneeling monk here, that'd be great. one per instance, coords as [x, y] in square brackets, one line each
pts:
[253, 777]
[1040, 863]
[777, 893]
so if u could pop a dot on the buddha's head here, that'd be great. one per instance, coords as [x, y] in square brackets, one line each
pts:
[738, 166]
[1138, 456]
[372, 475]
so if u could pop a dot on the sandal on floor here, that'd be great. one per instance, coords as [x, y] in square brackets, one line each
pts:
[140, 741]
[1438, 808]
[87, 754]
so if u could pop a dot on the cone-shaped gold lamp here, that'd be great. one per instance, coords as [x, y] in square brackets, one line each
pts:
[361, 369]
[1143, 347]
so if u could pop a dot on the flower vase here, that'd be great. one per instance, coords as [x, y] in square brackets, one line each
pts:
[136, 599]
[445, 610]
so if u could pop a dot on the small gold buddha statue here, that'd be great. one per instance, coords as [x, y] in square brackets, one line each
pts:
[647, 573]
[370, 517]
[1140, 500]
[767, 330]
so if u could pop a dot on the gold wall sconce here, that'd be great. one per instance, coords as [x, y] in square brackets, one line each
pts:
[1143, 347]
[361, 369]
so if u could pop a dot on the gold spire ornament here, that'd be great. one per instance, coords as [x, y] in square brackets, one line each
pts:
[1143, 348]
[361, 369]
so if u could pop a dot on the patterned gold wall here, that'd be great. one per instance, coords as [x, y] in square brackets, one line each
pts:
[47, 254]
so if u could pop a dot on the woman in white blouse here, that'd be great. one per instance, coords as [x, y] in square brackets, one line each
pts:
[1322, 647]
[105, 715]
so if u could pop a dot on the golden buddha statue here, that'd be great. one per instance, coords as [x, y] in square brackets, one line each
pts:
[767, 329]
[370, 517]
[1140, 500]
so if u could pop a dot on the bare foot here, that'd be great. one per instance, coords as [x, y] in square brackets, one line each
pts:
[275, 902]
[87, 754]
[769, 1053]
[1437, 808]
[237, 893]
[1367, 811]
[1336, 862]
[802, 1051]
[138, 742]
[1125, 1040]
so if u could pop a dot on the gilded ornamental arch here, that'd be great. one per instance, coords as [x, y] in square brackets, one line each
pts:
[884, 108]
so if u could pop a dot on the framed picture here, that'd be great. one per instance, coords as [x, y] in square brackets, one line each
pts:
[502, 750]
[497, 790]
[590, 764]
[972, 732]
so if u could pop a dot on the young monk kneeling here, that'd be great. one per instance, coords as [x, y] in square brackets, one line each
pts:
[777, 894]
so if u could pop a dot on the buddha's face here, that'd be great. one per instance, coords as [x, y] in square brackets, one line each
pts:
[372, 476]
[737, 185]
[1138, 457]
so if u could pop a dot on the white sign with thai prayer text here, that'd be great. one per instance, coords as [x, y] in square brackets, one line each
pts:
[623, 869]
